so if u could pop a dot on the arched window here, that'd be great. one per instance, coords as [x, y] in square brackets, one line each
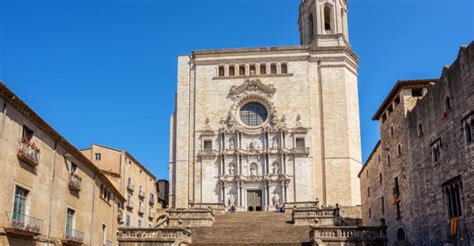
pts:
[328, 16]
[284, 68]
[231, 70]
[221, 71]
[400, 234]
[468, 130]
[310, 26]
[263, 69]
[273, 68]
[447, 103]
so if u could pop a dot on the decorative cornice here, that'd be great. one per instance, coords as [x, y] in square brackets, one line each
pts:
[251, 86]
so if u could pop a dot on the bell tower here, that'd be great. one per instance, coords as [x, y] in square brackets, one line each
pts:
[323, 23]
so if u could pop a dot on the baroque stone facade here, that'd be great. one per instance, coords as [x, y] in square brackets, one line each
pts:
[419, 178]
[255, 127]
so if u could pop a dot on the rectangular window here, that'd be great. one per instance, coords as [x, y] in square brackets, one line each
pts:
[436, 151]
[73, 167]
[139, 223]
[253, 70]
[300, 143]
[221, 71]
[453, 195]
[242, 70]
[127, 221]
[397, 100]
[231, 71]
[368, 191]
[208, 144]
[284, 68]
[416, 92]
[468, 126]
[19, 204]
[263, 69]
[27, 134]
[273, 68]
[69, 222]
[98, 156]
[382, 205]
[104, 234]
[370, 213]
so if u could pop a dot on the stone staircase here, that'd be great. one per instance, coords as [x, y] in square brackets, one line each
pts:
[252, 228]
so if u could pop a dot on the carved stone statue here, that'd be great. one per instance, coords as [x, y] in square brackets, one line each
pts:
[298, 120]
[231, 143]
[275, 143]
[253, 169]
[231, 200]
[276, 168]
[231, 169]
[276, 198]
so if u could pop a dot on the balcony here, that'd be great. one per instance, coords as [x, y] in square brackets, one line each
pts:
[120, 216]
[141, 210]
[29, 153]
[151, 215]
[25, 225]
[74, 236]
[130, 205]
[151, 200]
[75, 182]
[130, 187]
[141, 194]
[207, 153]
[300, 151]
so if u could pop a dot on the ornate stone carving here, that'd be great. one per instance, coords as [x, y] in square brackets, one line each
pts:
[252, 86]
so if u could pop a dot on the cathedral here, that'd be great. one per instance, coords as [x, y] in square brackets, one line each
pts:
[257, 127]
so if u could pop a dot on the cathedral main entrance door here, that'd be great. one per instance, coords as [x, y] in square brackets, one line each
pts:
[254, 200]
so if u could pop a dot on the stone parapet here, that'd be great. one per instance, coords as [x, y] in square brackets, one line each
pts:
[294, 205]
[155, 236]
[190, 217]
[217, 208]
[349, 235]
[325, 216]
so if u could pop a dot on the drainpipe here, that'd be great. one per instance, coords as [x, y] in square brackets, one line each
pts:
[51, 192]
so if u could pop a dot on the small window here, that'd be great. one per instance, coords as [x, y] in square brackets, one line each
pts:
[399, 150]
[207, 144]
[453, 196]
[328, 17]
[19, 204]
[469, 130]
[310, 26]
[231, 70]
[273, 68]
[139, 223]
[382, 205]
[392, 131]
[221, 71]
[253, 70]
[27, 134]
[390, 109]
[367, 173]
[436, 151]
[127, 221]
[401, 234]
[388, 160]
[284, 68]
[420, 130]
[69, 222]
[104, 234]
[263, 69]
[98, 156]
[300, 143]
[384, 117]
[368, 191]
[416, 92]
[380, 178]
[73, 167]
[447, 103]
[242, 70]
[397, 100]
[370, 213]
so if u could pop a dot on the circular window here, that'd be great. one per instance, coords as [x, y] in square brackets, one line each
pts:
[253, 114]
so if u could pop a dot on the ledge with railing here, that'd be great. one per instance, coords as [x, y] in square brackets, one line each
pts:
[151, 214]
[367, 234]
[166, 236]
[307, 204]
[212, 206]
[29, 153]
[75, 182]
[130, 187]
[207, 153]
[74, 235]
[300, 151]
[141, 210]
[141, 194]
[24, 224]
[319, 216]
[191, 217]
[130, 205]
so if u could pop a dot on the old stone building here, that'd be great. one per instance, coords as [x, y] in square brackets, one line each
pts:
[419, 178]
[254, 127]
[51, 194]
[133, 180]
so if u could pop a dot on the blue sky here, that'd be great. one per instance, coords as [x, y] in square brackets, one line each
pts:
[105, 71]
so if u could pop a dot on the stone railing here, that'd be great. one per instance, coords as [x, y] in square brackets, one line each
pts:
[207, 153]
[159, 236]
[29, 153]
[300, 151]
[315, 216]
[190, 217]
[25, 224]
[309, 204]
[75, 182]
[345, 235]
[74, 235]
[216, 207]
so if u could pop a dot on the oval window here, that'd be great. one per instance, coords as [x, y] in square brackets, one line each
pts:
[253, 114]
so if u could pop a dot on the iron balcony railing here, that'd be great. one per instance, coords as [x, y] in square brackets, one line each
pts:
[130, 186]
[151, 200]
[74, 235]
[130, 205]
[26, 223]
[151, 214]
[75, 182]
[29, 153]
[141, 210]
[141, 194]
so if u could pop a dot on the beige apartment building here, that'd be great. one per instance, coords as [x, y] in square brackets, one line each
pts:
[419, 178]
[133, 180]
[51, 194]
